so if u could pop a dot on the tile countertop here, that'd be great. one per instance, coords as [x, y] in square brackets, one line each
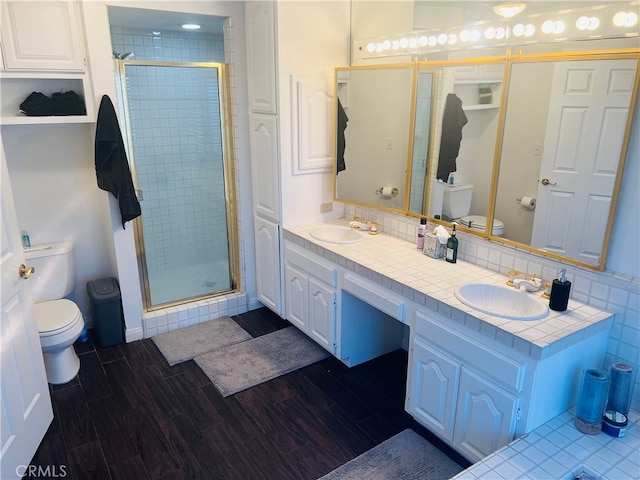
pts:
[397, 264]
[557, 450]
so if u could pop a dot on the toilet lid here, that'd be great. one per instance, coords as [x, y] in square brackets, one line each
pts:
[56, 316]
[478, 222]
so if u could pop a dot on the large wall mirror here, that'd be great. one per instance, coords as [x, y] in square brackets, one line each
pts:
[540, 153]
[374, 134]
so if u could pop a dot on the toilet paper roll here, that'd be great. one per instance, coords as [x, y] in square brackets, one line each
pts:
[387, 192]
[528, 202]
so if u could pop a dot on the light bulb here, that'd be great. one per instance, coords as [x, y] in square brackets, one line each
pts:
[518, 30]
[500, 33]
[475, 35]
[378, 47]
[404, 42]
[386, 44]
[433, 40]
[442, 38]
[625, 19]
[558, 27]
[529, 30]
[395, 45]
[423, 40]
[594, 23]
[371, 47]
[453, 39]
[490, 33]
[548, 26]
[582, 23]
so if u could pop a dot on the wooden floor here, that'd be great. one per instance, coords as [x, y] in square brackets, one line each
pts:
[128, 415]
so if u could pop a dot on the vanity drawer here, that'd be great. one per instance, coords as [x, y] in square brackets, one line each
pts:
[376, 296]
[312, 264]
[472, 353]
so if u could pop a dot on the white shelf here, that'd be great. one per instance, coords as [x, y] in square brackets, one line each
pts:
[49, 120]
[489, 106]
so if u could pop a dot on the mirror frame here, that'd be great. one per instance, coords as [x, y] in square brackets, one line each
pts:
[508, 60]
[411, 67]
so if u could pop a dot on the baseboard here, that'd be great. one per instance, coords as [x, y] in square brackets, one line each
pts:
[133, 334]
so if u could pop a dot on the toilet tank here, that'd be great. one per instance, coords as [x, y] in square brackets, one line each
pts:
[53, 275]
[457, 200]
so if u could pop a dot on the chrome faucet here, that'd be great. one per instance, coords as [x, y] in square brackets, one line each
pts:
[531, 284]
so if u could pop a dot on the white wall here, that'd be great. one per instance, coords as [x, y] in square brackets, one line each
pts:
[56, 197]
[313, 39]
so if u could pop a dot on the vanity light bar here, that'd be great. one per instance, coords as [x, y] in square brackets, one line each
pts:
[621, 24]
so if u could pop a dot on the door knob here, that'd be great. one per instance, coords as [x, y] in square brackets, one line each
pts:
[24, 271]
[546, 181]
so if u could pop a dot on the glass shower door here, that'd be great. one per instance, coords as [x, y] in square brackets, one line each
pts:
[174, 117]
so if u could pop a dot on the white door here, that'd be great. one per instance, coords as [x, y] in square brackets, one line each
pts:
[588, 112]
[25, 404]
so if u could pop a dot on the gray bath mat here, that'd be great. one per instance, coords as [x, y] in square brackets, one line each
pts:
[238, 367]
[406, 455]
[186, 343]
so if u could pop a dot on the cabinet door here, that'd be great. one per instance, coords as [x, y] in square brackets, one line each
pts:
[261, 57]
[264, 166]
[268, 264]
[433, 383]
[322, 314]
[485, 416]
[296, 293]
[42, 35]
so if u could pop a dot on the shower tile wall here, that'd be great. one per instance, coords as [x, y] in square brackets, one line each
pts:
[179, 176]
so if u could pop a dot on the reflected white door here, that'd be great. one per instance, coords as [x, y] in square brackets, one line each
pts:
[25, 404]
[585, 129]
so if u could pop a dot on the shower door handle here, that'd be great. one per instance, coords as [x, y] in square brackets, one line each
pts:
[139, 195]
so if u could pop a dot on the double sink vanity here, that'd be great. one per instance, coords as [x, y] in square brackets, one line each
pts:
[476, 380]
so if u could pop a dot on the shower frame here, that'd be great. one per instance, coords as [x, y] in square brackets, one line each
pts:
[228, 161]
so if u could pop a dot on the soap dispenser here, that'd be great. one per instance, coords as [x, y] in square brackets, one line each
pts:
[560, 289]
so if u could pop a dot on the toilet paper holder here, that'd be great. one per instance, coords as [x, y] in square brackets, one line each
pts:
[394, 191]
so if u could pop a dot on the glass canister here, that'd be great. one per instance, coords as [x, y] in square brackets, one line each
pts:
[594, 391]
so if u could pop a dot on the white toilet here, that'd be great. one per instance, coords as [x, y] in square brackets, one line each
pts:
[59, 320]
[456, 205]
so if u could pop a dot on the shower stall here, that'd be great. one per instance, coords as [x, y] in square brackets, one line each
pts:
[176, 121]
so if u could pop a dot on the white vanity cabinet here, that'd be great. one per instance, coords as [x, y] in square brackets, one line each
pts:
[462, 390]
[310, 295]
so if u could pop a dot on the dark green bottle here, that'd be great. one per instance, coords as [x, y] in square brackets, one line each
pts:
[452, 246]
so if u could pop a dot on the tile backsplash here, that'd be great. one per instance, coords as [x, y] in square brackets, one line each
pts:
[611, 291]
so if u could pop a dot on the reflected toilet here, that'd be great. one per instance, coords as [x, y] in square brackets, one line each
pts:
[456, 204]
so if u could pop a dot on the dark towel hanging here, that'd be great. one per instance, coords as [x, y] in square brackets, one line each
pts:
[452, 122]
[341, 144]
[112, 167]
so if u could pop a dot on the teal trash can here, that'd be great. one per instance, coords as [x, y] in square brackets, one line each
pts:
[106, 309]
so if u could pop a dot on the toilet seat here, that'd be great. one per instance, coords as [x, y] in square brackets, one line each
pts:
[479, 223]
[54, 317]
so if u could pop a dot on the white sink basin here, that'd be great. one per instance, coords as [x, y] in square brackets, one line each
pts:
[505, 302]
[335, 234]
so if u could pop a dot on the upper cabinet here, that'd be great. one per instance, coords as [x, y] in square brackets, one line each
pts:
[42, 36]
[42, 51]
[261, 56]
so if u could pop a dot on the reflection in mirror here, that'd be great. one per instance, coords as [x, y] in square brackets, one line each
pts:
[421, 137]
[562, 143]
[460, 189]
[377, 104]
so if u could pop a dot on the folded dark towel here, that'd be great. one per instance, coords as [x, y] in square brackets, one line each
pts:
[112, 168]
[37, 104]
